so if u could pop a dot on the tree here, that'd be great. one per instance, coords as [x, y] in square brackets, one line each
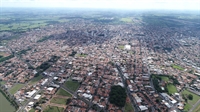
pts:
[190, 97]
[117, 96]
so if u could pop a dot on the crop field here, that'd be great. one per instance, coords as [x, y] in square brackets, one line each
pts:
[5, 105]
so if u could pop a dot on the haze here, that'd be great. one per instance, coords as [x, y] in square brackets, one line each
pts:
[107, 4]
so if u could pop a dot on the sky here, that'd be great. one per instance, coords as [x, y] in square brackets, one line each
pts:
[108, 4]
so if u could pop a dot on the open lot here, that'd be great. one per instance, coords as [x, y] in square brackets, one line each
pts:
[53, 109]
[128, 108]
[72, 85]
[58, 100]
[15, 88]
[63, 93]
[5, 105]
[127, 20]
[189, 103]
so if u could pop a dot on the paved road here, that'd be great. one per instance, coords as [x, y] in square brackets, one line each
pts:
[127, 90]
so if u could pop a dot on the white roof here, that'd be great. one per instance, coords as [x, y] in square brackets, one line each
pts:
[30, 103]
[50, 89]
[37, 97]
[142, 108]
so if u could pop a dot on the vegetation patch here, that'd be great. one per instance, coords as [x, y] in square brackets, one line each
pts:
[171, 89]
[15, 88]
[5, 104]
[128, 107]
[72, 85]
[117, 96]
[63, 93]
[127, 20]
[57, 100]
[82, 55]
[121, 47]
[6, 58]
[45, 38]
[189, 101]
[177, 67]
[53, 109]
[197, 109]
[165, 83]
[36, 79]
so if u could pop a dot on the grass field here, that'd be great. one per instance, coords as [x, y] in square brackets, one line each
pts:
[177, 67]
[127, 20]
[2, 82]
[121, 47]
[164, 78]
[128, 108]
[53, 109]
[15, 88]
[58, 100]
[63, 93]
[72, 85]
[171, 89]
[190, 102]
[36, 79]
[197, 109]
[5, 105]
[32, 110]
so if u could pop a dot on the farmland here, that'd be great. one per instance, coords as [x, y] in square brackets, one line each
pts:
[5, 105]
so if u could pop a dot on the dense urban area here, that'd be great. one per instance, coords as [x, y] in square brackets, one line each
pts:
[99, 61]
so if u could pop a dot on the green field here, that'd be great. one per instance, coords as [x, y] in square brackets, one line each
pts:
[128, 107]
[36, 79]
[197, 109]
[177, 67]
[63, 93]
[82, 55]
[189, 103]
[164, 78]
[32, 110]
[53, 109]
[72, 85]
[171, 89]
[121, 47]
[127, 20]
[58, 100]
[2, 82]
[5, 105]
[15, 88]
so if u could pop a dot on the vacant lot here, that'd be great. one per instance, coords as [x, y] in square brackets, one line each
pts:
[189, 103]
[128, 107]
[53, 109]
[72, 85]
[63, 93]
[171, 89]
[57, 100]
[15, 88]
[36, 79]
[5, 105]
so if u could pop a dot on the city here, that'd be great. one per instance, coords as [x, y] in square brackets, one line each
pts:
[71, 65]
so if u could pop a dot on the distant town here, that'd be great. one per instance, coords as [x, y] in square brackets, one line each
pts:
[99, 62]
